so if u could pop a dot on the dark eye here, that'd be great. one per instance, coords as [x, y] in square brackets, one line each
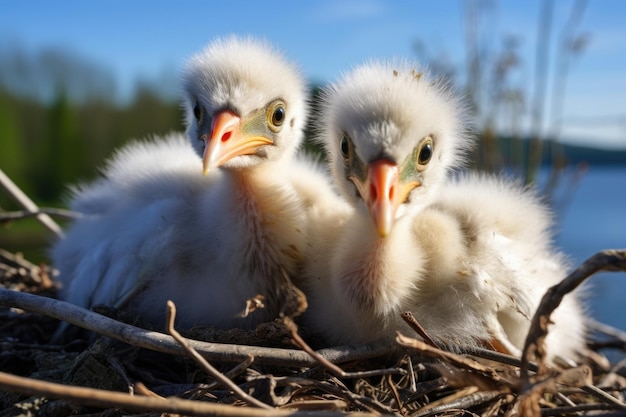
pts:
[278, 117]
[276, 114]
[197, 111]
[345, 147]
[425, 152]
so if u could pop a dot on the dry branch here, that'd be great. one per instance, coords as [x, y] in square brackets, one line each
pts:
[171, 316]
[597, 326]
[417, 327]
[160, 342]
[449, 357]
[28, 204]
[609, 260]
[331, 367]
[465, 398]
[16, 261]
[6, 216]
[546, 379]
[102, 398]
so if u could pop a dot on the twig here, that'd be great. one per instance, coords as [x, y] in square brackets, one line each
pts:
[336, 388]
[483, 353]
[566, 410]
[233, 373]
[396, 395]
[16, 260]
[617, 344]
[331, 367]
[463, 399]
[102, 398]
[411, 371]
[316, 405]
[604, 328]
[417, 327]
[28, 204]
[528, 399]
[500, 357]
[609, 260]
[453, 358]
[531, 390]
[163, 343]
[141, 389]
[424, 388]
[563, 398]
[24, 214]
[616, 340]
[171, 315]
[604, 396]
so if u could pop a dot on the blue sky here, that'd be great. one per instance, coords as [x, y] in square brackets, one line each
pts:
[146, 39]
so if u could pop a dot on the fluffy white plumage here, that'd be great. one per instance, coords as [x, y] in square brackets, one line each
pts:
[245, 76]
[470, 258]
[156, 229]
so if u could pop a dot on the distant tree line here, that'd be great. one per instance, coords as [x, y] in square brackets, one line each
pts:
[60, 119]
[45, 146]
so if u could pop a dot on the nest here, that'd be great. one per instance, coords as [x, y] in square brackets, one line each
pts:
[120, 369]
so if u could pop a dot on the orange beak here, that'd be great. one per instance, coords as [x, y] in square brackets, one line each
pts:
[381, 199]
[227, 141]
[385, 194]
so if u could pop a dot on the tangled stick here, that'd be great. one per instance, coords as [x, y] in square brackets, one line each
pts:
[534, 346]
[163, 343]
[608, 260]
[102, 398]
[171, 316]
[29, 205]
[331, 367]
[7, 216]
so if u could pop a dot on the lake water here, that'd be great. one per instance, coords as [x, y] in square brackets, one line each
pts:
[595, 219]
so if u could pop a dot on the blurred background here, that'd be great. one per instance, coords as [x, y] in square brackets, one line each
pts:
[546, 80]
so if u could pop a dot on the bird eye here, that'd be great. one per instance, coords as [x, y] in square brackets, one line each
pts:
[424, 153]
[345, 147]
[276, 115]
[198, 111]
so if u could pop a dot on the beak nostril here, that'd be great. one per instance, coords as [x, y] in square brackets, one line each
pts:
[373, 193]
[226, 136]
[392, 192]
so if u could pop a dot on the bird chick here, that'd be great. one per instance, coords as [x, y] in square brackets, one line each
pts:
[469, 258]
[155, 228]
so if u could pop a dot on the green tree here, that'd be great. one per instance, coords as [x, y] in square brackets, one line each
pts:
[60, 150]
[11, 148]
